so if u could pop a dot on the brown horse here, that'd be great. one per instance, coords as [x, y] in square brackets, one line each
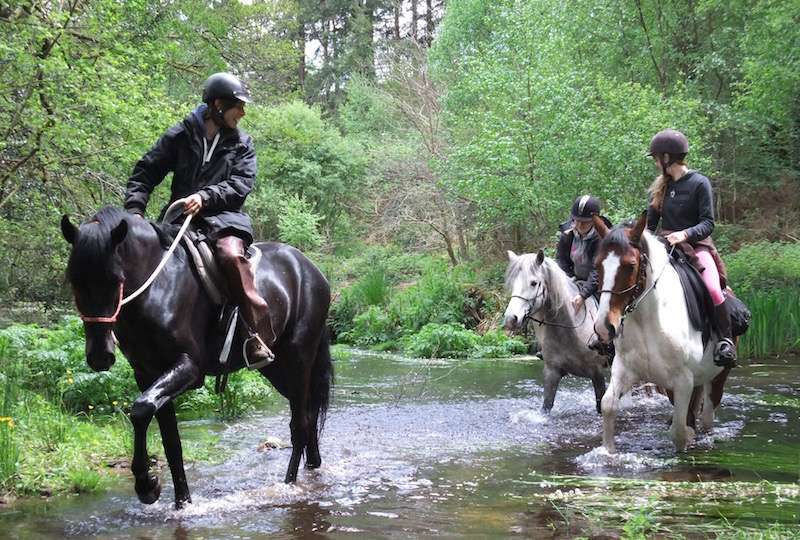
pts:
[169, 334]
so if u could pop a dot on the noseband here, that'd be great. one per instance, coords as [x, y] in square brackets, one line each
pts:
[641, 279]
[637, 287]
[111, 319]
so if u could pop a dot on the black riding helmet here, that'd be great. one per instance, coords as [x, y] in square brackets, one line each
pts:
[585, 207]
[225, 86]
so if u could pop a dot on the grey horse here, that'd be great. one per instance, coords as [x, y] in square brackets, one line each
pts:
[541, 291]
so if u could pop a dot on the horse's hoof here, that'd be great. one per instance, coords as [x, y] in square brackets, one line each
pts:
[148, 490]
[180, 504]
[313, 460]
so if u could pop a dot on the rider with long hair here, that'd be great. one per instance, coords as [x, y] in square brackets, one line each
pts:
[683, 201]
[214, 169]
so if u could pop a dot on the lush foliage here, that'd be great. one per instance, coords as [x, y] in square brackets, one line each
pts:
[300, 154]
[547, 100]
[425, 314]
[451, 340]
[297, 224]
[59, 411]
[763, 266]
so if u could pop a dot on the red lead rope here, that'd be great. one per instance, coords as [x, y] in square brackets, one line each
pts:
[111, 319]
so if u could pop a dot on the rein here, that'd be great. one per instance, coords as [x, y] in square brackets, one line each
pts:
[542, 322]
[149, 280]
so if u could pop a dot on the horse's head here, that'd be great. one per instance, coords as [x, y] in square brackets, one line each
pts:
[527, 284]
[95, 274]
[619, 264]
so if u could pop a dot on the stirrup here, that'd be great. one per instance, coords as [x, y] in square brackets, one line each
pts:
[261, 363]
[729, 359]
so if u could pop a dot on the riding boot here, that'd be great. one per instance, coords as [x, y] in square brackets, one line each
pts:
[252, 307]
[725, 354]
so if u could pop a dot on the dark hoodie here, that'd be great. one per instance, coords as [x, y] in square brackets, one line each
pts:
[223, 182]
[579, 263]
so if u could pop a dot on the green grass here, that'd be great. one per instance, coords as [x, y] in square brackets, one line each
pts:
[775, 328]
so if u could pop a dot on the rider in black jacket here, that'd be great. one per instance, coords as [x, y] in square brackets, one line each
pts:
[577, 246]
[214, 168]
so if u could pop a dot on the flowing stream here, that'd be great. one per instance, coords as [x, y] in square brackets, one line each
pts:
[454, 448]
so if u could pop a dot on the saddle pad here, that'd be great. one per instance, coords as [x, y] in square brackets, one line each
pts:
[698, 300]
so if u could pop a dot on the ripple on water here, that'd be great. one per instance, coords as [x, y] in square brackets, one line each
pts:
[599, 460]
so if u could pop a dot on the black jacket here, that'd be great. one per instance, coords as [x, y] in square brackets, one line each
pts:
[223, 183]
[588, 286]
[688, 205]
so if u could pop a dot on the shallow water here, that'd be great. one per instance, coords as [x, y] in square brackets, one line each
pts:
[459, 449]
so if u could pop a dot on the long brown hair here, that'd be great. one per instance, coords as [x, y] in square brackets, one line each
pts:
[659, 186]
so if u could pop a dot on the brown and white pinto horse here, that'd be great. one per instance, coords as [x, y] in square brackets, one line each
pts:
[659, 344]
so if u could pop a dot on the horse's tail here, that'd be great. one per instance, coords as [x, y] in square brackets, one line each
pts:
[322, 379]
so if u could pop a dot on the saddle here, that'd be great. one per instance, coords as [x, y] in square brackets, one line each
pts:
[699, 303]
[202, 256]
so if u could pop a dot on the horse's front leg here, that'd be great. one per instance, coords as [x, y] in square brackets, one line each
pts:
[609, 405]
[171, 439]
[680, 433]
[158, 395]
[552, 377]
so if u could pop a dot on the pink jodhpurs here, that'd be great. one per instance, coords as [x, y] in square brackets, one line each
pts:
[710, 275]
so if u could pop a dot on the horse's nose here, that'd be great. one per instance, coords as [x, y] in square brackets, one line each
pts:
[100, 361]
[612, 332]
[510, 323]
[100, 351]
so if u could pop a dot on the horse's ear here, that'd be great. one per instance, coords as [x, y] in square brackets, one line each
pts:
[68, 230]
[512, 256]
[118, 233]
[600, 225]
[540, 257]
[638, 229]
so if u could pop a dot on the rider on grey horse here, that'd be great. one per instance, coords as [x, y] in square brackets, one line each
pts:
[577, 247]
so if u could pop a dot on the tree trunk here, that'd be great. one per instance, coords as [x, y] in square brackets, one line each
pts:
[429, 22]
[414, 19]
[398, 6]
[301, 45]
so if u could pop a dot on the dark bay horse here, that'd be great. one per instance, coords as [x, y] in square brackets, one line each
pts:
[169, 334]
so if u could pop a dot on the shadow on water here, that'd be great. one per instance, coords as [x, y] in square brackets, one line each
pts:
[460, 449]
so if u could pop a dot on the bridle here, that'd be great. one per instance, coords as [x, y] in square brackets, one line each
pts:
[639, 292]
[541, 322]
[108, 320]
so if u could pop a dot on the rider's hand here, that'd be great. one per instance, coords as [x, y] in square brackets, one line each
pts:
[192, 204]
[677, 237]
[577, 302]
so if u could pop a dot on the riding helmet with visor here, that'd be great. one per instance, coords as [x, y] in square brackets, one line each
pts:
[225, 86]
[585, 207]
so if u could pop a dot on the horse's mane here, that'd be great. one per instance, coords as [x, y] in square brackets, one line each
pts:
[92, 250]
[558, 284]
